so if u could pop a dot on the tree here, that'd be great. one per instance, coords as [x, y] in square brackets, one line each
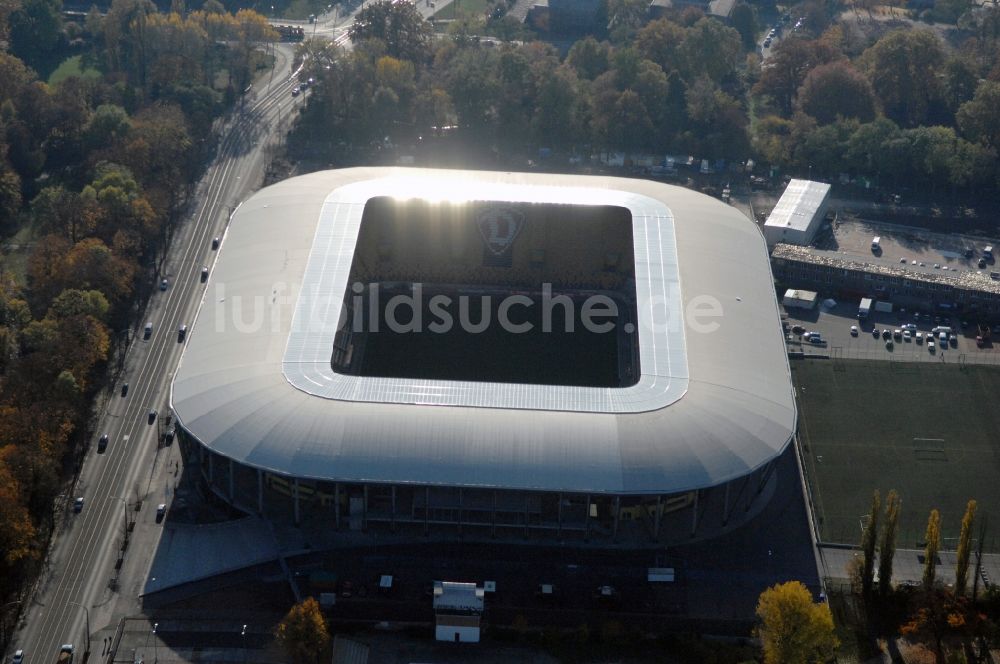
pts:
[35, 31]
[710, 49]
[979, 118]
[904, 68]
[791, 61]
[933, 537]
[835, 90]
[303, 633]
[941, 613]
[589, 58]
[794, 630]
[887, 542]
[16, 529]
[399, 25]
[744, 21]
[869, 537]
[964, 548]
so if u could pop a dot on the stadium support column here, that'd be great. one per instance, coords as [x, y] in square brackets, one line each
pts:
[493, 517]
[618, 508]
[725, 505]
[260, 492]
[559, 516]
[694, 520]
[656, 519]
[295, 497]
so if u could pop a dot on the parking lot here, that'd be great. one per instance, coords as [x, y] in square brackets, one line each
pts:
[834, 325]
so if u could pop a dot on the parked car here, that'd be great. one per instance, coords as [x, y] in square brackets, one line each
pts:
[102, 444]
[152, 415]
[875, 332]
[147, 332]
[161, 511]
[204, 274]
[164, 284]
[930, 346]
[124, 390]
[920, 337]
[215, 243]
[854, 330]
[78, 505]
[886, 334]
[798, 329]
[888, 344]
[18, 657]
[182, 333]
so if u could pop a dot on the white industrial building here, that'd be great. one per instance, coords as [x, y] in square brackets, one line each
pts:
[273, 428]
[798, 214]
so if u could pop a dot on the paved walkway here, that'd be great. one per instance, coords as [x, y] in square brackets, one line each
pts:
[907, 566]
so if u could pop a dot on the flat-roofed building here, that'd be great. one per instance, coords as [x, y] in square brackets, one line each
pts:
[799, 213]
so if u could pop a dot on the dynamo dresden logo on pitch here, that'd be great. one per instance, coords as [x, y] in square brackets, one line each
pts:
[499, 227]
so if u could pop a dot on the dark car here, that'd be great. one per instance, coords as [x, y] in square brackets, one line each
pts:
[152, 415]
[161, 511]
[102, 444]
[215, 243]
[168, 437]
[147, 331]
[886, 334]
[981, 263]
[182, 333]
[798, 329]
[124, 389]
[78, 505]
[164, 284]
[204, 274]
[875, 332]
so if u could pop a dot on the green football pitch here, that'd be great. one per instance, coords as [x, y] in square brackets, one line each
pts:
[930, 431]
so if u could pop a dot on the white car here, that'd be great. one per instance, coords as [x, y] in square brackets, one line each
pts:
[854, 330]
[930, 346]
[920, 337]
[18, 657]
[907, 335]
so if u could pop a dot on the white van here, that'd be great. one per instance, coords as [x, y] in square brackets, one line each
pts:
[876, 243]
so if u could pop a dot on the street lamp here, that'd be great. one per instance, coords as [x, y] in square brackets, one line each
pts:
[244, 635]
[86, 640]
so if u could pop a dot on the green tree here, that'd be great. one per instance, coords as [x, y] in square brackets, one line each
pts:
[869, 537]
[589, 58]
[791, 61]
[979, 118]
[35, 31]
[711, 49]
[837, 90]
[660, 41]
[303, 633]
[399, 25]
[964, 548]
[904, 68]
[887, 542]
[744, 21]
[793, 629]
[933, 537]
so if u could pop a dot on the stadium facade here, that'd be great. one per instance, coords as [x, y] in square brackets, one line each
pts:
[293, 400]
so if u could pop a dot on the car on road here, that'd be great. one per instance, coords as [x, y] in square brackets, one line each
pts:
[152, 415]
[930, 346]
[798, 329]
[767, 43]
[295, 91]
[124, 390]
[888, 344]
[161, 511]
[163, 284]
[215, 243]
[78, 505]
[18, 657]
[147, 332]
[854, 330]
[102, 444]
[953, 341]
[204, 274]
[182, 333]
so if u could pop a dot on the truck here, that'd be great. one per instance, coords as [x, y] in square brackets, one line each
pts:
[864, 308]
[983, 335]
[65, 654]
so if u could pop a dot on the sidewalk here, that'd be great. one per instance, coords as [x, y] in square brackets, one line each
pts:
[907, 566]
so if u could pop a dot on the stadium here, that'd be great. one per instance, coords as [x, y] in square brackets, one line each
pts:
[488, 354]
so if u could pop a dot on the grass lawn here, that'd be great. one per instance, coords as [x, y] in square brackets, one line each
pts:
[15, 251]
[930, 431]
[457, 8]
[72, 67]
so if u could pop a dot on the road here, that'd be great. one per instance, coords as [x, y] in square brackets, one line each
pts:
[74, 588]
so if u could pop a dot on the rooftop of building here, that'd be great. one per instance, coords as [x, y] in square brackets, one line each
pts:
[798, 204]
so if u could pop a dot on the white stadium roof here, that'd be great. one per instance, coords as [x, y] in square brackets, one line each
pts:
[708, 407]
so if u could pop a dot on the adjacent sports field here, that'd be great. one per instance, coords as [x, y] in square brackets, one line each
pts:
[930, 431]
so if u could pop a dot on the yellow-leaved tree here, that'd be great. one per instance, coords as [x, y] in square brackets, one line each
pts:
[303, 634]
[793, 628]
